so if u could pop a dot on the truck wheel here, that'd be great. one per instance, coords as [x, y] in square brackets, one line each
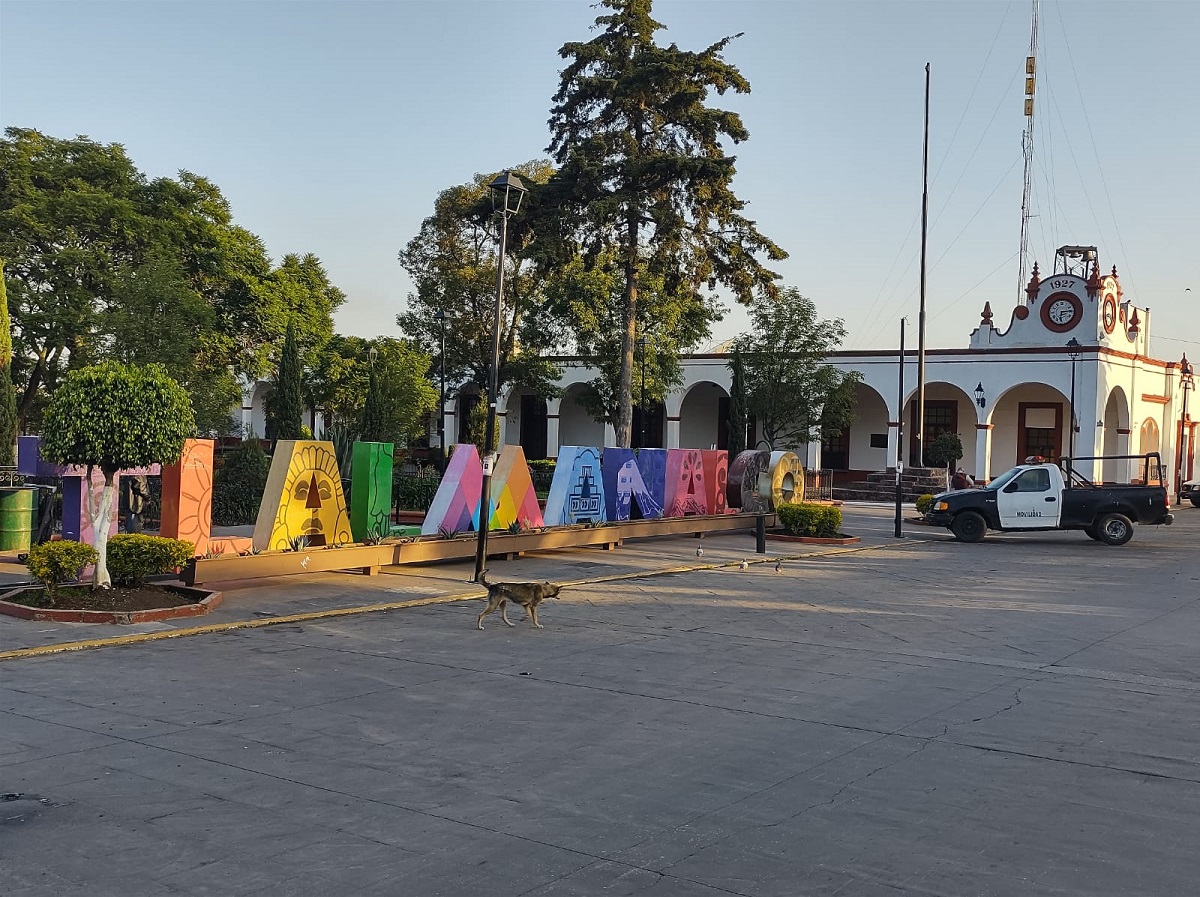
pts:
[1114, 529]
[1092, 533]
[969, 526]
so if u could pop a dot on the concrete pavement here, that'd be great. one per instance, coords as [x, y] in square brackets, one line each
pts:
[1010, 718]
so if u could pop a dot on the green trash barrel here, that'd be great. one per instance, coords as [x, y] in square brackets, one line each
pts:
[17, 507]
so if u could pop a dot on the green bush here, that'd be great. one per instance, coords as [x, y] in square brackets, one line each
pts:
[820, 521]
[134, 556]
[52, 563]
[924, 503]
[238, 485]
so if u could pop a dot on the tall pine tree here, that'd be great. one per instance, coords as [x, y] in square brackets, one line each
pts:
[8, 394]
[373, 426]
[737, 405]
[644, 173]
[285, 409]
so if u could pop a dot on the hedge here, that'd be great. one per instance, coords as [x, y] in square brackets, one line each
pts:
[134, 556]
[53, 563]
[819, 521]
[924, 503]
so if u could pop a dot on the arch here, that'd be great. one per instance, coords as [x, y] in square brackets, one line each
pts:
[862, 446]
[256, 426]
[1149, 437]
[575, 425]
[704, 416]
[526, 417]
[948, 408]
[1115, 435]
[1032, 418]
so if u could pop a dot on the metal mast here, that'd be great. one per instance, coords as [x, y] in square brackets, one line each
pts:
[1027, 147]
[920, 429]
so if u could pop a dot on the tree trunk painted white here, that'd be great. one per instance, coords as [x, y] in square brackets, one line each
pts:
[100, 521]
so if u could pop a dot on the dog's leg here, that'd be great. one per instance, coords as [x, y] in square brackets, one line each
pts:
[491, 606]
[504, 612]
[533, 616]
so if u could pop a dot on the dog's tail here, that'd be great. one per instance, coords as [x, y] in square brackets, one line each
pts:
[483, 578]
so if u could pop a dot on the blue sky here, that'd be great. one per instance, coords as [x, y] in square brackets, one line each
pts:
[331, 126]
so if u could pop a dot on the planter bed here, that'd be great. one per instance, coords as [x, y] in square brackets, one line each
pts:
[842, 539]
[362, 558]
[115, 605]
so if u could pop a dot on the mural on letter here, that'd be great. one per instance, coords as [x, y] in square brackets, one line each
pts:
[455, 507]
[749, 473]
[624, 484]
[686, 495]
[577, 490]
[716, 476]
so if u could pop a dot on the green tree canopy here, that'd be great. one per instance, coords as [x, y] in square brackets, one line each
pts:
[93, 245]
[644, 173]
[285, 407]
[8, 396]
[452, 263]
[113, 417]
[792, 393]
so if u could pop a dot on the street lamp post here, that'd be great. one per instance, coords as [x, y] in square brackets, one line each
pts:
[1073, 350]
[642, 396]
[1185, 383]
[507, 193]
[440, 317]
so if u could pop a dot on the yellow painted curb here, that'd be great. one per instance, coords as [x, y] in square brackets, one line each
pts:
[138, 638]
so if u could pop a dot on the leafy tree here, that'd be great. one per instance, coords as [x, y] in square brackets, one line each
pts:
[372, 427]
[341, 383]
[944, 452]
[285, 409]
[644, 173]
[113, 416]
[8, 396]
[238, 485]
[737, 405]
[90, 240]
[452, 262]
[477, 425]
[791, 392]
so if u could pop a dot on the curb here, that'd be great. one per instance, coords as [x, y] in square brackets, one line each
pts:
[214, 628]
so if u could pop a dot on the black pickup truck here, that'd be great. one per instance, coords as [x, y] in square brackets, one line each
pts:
[1042, 496]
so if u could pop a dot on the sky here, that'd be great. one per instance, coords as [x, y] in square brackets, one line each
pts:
[331, 126]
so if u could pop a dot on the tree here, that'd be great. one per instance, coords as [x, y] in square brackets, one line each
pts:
[737, 405]
[285, 409]
[8, 396]
[944, 452]
[90, 240]
[371, 429]
[791, 392]
[452, 262]
[477, 425]
[113, 417]
[644, 173]
[341, 383]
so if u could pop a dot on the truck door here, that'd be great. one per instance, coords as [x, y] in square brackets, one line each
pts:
[1029, 501]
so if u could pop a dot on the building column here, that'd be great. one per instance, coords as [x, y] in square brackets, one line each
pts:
[893, 444]
[448, 422]
[983, 452]
[812, 456]
[610, 435]
[672, 432]
[553, 407]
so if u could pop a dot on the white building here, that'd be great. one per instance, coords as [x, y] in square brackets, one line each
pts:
[1008, 393]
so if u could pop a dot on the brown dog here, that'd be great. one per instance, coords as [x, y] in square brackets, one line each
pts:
[527, 594]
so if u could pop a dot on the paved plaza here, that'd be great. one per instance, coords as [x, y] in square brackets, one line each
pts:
[918, 717]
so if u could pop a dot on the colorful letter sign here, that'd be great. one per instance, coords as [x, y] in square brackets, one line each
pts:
[514, 498]
[716, 475]
[187, 495]
[577, 490]
[371, 489]
[455, 507]
[624, 485]
[787, 478]
[685, 483]
[303, 498]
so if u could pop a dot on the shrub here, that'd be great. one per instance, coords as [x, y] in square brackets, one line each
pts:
[52, 563]
[924, 503]
[238, 485]
[820, 521]
[134, 556]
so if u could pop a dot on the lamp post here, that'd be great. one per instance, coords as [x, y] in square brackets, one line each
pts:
[440, 317]
[1185, 383]
[507, 193]
[642, 395]
[1073, 350]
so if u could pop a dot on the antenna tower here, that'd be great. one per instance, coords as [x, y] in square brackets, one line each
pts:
[1027, 147]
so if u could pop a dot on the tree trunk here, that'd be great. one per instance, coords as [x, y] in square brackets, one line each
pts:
[100, 522]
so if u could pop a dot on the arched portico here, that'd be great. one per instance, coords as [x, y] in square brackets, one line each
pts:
[525, 416]
[1031, 419]
[948, 409]
[575, 425]
[1114, 436]
[862, 447]
[698, 418]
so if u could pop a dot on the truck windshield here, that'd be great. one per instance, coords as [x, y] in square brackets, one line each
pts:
[1004, 479]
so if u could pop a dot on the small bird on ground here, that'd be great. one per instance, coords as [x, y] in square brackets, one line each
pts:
[745, 565]
[699, 551]
[779, 566]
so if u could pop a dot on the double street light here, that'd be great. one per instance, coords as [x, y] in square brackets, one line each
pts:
[507, 192]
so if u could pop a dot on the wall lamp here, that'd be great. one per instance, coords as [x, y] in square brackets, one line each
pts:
[980, 400]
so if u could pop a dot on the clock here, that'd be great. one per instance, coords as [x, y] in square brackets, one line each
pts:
[1110, 314]
[1061, 311]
